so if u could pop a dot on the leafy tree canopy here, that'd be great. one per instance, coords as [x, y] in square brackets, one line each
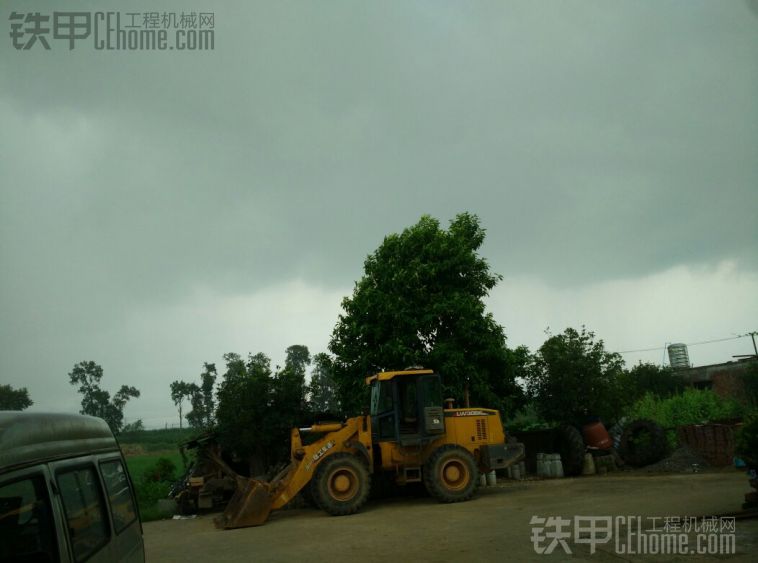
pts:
[14, 399]
[572, 377]
[646, 378]
[257, 407]
[95, 400]
[421, 302]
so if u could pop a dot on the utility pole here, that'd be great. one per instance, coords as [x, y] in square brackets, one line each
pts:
[752, 335]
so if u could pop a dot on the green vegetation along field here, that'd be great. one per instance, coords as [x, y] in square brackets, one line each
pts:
[154, 463]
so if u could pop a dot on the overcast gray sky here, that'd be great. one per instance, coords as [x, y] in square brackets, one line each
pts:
[161, 208]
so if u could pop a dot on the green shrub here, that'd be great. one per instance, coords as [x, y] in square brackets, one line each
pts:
[693, 406]
[163, 470]
[649, 378]
[153, 485]
[148, 495]
[526, 418]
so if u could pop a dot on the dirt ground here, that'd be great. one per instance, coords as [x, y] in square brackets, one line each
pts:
[494, 526]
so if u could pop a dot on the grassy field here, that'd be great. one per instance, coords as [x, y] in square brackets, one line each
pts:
[157, 440]
[145, 453]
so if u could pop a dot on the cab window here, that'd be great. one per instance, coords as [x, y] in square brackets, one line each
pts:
[431, 391]
[26, 524]
[381, 397]
[119, 494]
[83, 504]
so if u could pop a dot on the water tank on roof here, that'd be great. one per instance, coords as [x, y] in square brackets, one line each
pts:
[678, 356]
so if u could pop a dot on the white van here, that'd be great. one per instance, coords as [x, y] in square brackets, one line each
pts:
[65, 493]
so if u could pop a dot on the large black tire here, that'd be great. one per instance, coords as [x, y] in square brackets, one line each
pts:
[450, 474]
[341, 484]
[570, 445]
[643, 442]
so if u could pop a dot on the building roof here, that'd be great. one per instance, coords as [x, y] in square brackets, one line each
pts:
[706, 374]
[28, 438]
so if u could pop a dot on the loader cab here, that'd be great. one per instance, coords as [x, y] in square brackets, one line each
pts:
[406, 407]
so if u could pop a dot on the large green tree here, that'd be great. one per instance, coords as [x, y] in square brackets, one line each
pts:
[421, 302]
[573, 377]
[14, 399]
[95, 400]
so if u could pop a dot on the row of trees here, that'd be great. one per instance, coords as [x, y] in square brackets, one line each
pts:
[572, 377]
[96, 401]
[318, 397]
[419, 302]
[257, 405]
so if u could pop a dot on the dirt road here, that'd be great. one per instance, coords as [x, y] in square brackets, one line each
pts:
[495, 526]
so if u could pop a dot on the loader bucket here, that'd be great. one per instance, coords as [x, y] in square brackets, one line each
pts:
[249, 506]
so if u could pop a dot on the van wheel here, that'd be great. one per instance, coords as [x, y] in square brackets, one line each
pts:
[450, 474]
[341, 485]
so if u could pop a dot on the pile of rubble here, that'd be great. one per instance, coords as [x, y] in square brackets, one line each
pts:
[682, 460]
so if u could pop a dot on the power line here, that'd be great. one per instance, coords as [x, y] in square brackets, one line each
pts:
[656, 348]
[642, 350]
[718, 340]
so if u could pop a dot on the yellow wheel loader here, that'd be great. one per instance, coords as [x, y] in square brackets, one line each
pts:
[408, 435]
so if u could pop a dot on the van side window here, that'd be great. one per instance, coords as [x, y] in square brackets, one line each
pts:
[85, 512]
[119, 494]
[26, 524]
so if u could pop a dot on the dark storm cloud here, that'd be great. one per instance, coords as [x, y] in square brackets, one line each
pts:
[579, 133]
[596, 141]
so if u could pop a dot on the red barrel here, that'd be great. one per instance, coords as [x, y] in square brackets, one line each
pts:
[596, 436]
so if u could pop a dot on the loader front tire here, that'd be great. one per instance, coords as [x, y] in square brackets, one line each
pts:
[341, 485]
[450, 474]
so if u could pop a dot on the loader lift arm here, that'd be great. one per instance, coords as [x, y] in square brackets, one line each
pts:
[254, 500]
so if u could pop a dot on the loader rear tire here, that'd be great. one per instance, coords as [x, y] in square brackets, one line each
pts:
[450, 474]
[341, 485]
[571, 447]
